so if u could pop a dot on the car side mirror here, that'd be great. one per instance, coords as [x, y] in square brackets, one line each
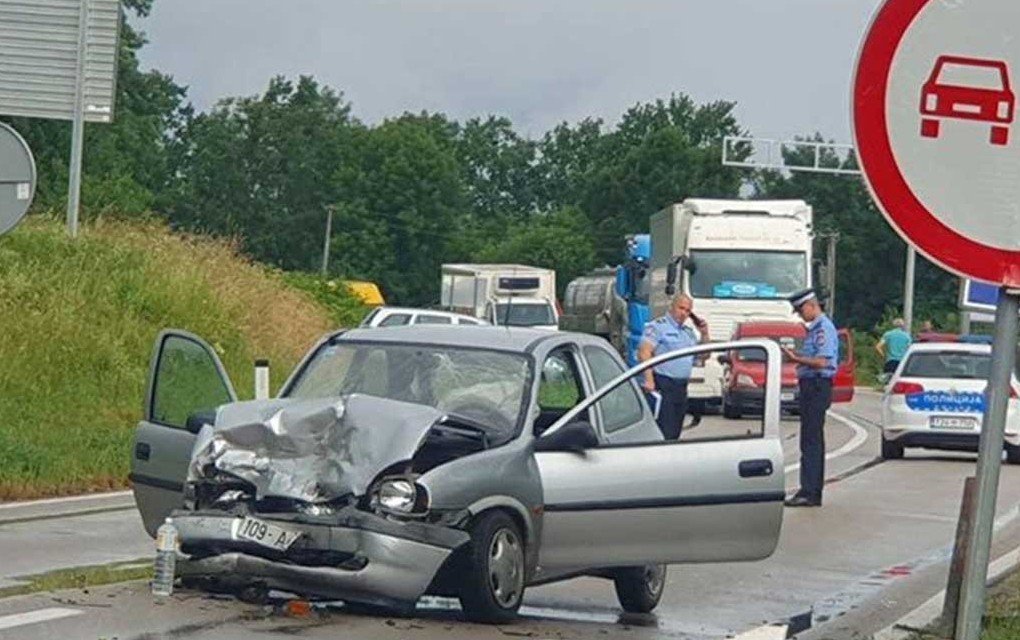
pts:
[671, 276]
[574, 437]
[197, 420]
[725, 359]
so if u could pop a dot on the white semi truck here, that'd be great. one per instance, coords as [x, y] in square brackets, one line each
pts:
[502, 294]
[738, 260]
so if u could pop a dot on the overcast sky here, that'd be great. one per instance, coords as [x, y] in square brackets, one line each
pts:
[787, 63]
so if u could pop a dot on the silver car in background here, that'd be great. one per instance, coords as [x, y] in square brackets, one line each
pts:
[458, 461]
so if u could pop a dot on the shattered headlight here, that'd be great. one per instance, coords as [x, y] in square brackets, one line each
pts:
[400, 496]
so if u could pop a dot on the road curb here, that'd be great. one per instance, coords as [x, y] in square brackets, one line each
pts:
[50, 508]
[929, 612]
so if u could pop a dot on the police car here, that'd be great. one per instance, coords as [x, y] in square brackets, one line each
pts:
[936, 400]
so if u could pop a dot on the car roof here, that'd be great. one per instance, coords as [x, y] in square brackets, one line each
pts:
[960, 347]
[517, 339]
[438, 312]
[770, 327]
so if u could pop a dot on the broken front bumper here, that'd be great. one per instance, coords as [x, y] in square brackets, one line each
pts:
[359, 556]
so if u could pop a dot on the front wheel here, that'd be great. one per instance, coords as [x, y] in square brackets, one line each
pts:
[493, 582]
[731, 411]
[639, 589]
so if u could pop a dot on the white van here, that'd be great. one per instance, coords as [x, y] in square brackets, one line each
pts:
[400, 316]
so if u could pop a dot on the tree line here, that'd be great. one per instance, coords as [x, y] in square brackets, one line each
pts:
[420, 189]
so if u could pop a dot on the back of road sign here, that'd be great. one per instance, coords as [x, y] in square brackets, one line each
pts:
[17, 178]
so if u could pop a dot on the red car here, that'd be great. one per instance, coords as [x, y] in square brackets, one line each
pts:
[968, 89]
[744, 373]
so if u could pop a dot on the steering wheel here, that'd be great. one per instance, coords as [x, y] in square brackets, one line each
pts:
[482, 411]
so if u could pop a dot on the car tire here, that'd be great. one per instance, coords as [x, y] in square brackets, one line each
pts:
[1012, 454]
[731, 411]
[891, 450]
[639, 589]
[493, 581]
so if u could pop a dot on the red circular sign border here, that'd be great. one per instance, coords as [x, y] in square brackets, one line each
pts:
[912, 220]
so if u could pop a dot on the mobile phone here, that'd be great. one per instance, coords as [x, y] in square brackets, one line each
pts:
[696, 319]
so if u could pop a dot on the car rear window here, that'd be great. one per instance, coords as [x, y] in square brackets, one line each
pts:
[952, 365]
[433, 319]
[396, 320]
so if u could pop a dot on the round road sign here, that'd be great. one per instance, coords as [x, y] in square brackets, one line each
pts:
[935, 122]
[17, 178]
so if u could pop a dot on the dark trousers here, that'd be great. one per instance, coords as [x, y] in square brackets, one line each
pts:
[674, 405]
[815, 399]
[890, 366]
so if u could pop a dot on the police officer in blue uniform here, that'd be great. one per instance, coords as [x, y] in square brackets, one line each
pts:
[816, 367]
[665, 335]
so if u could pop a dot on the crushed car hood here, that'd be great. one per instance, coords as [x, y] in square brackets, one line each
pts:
[310, 450]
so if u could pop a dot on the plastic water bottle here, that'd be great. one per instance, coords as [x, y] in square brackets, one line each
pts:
[166, 559]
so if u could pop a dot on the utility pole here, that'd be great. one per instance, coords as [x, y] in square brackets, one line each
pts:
[830, 272]
[908, 289]
[329, 235]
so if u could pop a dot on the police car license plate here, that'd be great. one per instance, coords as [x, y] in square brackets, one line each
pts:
[264, 533]
[787, 396]
[952, 422]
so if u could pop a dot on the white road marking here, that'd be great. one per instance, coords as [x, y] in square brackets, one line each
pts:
[769, 632]
[35, 617]
[72, 499]
[856, 442]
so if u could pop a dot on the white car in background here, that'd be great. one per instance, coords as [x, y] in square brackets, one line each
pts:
[400, 316]
[936, 400]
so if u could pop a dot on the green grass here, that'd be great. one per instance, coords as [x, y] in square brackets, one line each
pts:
[1002, 617]
[80, 578]
[79, 319]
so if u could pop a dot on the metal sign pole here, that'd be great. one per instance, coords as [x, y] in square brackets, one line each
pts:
[972, 598]
[78, 128]
[908, 288]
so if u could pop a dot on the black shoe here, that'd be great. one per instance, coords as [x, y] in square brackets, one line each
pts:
[802, 501]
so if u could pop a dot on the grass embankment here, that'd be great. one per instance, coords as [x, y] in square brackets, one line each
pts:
[77, 324]
[1002, 618]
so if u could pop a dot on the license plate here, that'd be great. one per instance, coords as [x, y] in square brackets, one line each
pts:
[264, 533]
[952, 422]
[786, 397]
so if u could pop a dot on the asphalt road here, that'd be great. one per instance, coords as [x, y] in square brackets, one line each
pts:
[877, 549]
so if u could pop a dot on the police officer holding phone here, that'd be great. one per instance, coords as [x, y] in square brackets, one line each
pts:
[665, 335]
[816, 367]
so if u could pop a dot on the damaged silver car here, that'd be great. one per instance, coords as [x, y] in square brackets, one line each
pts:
[469, 462]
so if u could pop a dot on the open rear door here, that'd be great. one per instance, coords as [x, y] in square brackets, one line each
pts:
[187, 383]
[846, 373]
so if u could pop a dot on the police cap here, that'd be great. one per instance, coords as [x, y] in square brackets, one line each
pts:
[801, 297]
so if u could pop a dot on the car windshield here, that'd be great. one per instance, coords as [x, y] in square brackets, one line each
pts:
[482, 386]
[967, 75]
[747, 274]
[759, 355]
[948, 365]
[525, 314]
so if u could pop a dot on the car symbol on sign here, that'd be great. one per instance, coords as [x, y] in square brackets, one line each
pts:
[968, 89]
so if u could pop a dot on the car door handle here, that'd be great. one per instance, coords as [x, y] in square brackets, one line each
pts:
[755, 468]
[142, 451]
